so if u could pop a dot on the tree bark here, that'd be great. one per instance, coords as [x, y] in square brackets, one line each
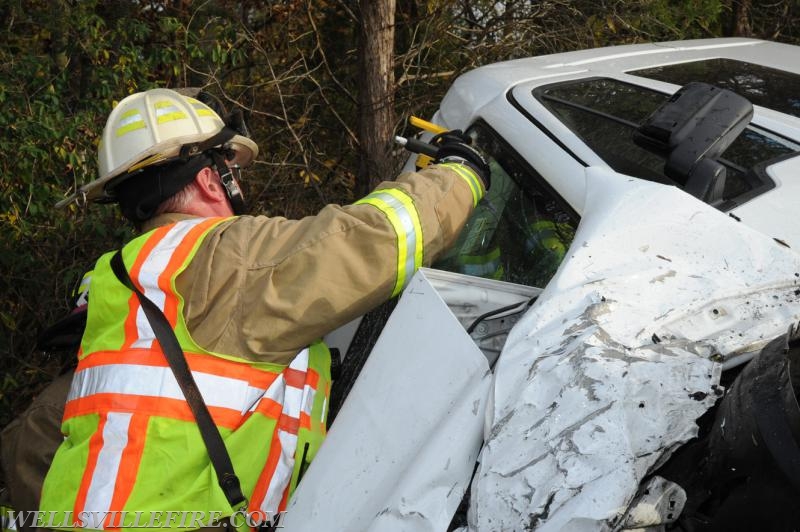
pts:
[741, 18]
[376, 97]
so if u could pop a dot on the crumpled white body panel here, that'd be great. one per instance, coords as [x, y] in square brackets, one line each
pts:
[607, 373]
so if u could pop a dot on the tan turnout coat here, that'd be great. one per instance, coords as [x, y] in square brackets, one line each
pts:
[263, 288]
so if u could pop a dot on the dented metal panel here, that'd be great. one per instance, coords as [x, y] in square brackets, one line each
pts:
[604, 377]
[402, 450]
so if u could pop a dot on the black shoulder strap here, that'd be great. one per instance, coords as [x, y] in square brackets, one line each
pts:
[217, 452]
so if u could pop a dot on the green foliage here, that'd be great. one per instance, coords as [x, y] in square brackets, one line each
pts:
[291, 65]
[656, 20]
[62, 66]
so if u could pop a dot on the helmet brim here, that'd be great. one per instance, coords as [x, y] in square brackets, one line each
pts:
[243, 148]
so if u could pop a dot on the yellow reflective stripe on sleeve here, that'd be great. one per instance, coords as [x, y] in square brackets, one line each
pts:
[130, 121]
[408, 203]
[399, 208]
[166, 111]
[470, 177]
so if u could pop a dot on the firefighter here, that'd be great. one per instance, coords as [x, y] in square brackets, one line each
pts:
[546, 244]
[248, 299]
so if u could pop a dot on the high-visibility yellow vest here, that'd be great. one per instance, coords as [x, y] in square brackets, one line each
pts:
[488, 265]
[131, 442]
[547, 236]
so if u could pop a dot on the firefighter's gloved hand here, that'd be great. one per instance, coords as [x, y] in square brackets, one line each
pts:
[455, 146]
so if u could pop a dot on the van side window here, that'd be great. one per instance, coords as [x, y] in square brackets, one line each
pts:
[605, 112]
[521, 230]
[768, 87]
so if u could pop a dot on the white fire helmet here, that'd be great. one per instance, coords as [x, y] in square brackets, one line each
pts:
[155, 126]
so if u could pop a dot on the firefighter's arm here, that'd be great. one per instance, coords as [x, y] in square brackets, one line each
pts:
[28, 444]
[299, 279]
[349, 259]
[296, 280]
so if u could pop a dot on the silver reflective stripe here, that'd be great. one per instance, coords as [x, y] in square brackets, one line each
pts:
[152, 267]
[115, 439]
[479, 270]
[165, 110]
[408, 229]
[399, 208]
[128, 120]
[292, 406]
[159, 381]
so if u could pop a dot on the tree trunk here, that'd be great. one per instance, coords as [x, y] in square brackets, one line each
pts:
[376, 97]
[741, 18]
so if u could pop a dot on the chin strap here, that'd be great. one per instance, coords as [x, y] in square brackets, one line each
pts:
[232, 190]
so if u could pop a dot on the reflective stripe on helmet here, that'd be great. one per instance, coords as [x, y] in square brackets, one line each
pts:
[148, 128]
[166, 111]
[130, 121]
[201, 108]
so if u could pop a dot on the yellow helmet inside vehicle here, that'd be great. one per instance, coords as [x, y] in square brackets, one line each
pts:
[155, 127]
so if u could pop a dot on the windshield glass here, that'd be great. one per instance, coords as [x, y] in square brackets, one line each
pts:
[521, 230]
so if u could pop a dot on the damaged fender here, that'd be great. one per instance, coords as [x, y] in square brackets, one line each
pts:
[606, 374]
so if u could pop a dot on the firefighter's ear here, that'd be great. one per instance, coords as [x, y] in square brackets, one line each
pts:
[209, 186]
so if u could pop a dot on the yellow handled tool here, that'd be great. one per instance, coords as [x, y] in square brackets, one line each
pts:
[426, 152]
[427, 126]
